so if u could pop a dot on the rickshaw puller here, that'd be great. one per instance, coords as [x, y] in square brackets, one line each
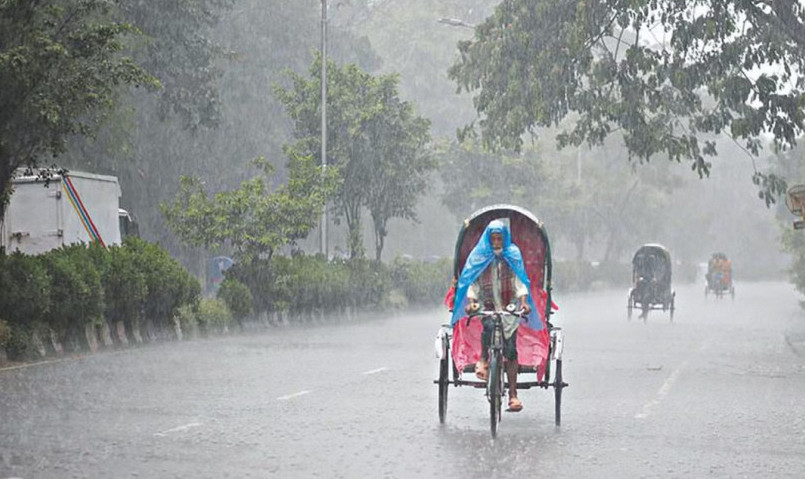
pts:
[496, 287]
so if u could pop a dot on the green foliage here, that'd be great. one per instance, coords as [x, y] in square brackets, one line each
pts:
[76, 294]
[475, 178]
[24, 289]
[187, 315]
[252, 219]
[72, 287]
[179, 52]
[213, 315]
[5, 333]
[794, 243]
[302, 284]
[24, 302]
[237, 298]
[168, 284]
[61, 64]
[572, 275]
[125, 288]
[722, 67]
[375, 140]
[422, 284]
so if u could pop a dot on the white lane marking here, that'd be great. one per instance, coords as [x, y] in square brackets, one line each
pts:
[661, 393]
[375, 371]
[178, 429]
[291, 396]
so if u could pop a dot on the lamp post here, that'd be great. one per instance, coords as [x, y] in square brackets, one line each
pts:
[323, 246]
[795, 201]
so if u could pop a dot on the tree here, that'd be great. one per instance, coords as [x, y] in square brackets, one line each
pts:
[400, 164]
[665, 74]
[179, 51]
[252, 219]
[61, 64]
[474, 178]
[374, 139]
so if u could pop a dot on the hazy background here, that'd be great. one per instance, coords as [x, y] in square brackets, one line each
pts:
[595, 203]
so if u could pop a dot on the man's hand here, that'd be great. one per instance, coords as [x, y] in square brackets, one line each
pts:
[524, 307]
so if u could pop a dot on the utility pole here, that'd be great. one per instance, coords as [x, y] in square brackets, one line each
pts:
[323, 247]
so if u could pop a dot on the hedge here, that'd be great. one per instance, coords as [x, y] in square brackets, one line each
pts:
[72, 291]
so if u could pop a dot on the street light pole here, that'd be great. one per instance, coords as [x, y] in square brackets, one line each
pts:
[323, 246]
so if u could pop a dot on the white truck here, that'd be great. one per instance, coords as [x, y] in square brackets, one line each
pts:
[74, 207]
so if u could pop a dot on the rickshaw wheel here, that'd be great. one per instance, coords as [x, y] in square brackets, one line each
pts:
[557, 391]
[671, 311]
[630, 306]
[444, 380]
[495, 394]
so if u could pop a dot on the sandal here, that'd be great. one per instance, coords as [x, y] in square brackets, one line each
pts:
[515, 405]
[482, 370]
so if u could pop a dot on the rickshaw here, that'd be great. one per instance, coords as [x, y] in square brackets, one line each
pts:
[539, 351]
[719, 276]
[651, 279]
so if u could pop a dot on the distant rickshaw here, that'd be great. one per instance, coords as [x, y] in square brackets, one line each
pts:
[651, 281]
[719, 276]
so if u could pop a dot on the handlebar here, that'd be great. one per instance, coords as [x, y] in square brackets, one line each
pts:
[485, 313]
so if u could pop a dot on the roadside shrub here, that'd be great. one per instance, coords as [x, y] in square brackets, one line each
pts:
[369, 282]
[267, 282]
[24, 302]
[125, 288]
[76, 295]
[168, 284]
[213, 315]
[613, 273]
[237, 298]
[572, 275]
[5, 333]
[187, 316]
[421, 283]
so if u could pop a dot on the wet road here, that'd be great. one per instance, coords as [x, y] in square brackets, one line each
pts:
[717, 393]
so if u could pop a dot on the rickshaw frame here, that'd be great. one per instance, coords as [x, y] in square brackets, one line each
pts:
[552, 376]
[715, 284]
[653, 302]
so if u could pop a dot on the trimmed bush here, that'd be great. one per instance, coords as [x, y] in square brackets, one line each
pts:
[5, 333]
[237, 298]
[24, 301]
[168, 284]
[422, 284]
[213, 315]
[76, 295]
[125, 288]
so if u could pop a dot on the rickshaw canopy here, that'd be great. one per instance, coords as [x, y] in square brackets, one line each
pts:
[652, 258]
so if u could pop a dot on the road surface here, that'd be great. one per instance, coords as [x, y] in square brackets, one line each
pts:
[717, 393]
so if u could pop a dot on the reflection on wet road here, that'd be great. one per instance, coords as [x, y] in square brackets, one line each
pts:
[716, 393]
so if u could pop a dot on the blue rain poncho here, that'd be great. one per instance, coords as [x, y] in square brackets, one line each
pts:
[480, 257]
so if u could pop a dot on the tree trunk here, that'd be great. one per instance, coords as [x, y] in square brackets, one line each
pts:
[380, 238]
[5, 186]
[352, 213]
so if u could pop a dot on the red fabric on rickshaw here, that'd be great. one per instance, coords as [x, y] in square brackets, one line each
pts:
[532, 346]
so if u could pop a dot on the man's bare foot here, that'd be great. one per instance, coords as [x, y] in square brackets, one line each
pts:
[515, 405]
[482, 370]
